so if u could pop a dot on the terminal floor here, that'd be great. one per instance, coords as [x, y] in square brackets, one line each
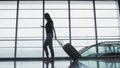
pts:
[91, 63]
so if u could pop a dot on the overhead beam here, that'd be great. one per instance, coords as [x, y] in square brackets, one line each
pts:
[58, 0]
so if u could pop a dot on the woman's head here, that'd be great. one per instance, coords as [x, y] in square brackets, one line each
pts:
[47, 16]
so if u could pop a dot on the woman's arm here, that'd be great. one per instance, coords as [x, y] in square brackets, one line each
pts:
[54, 31]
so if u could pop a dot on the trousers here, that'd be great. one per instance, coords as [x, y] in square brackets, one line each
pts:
[48, 44]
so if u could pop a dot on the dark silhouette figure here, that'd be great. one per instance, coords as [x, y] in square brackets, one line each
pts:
[50, 30]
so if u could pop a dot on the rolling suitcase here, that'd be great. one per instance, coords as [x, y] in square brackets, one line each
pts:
[70, 50]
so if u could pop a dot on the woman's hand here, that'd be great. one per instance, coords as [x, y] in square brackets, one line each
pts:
[42, 26]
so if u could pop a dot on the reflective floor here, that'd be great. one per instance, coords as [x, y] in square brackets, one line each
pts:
[101, 63]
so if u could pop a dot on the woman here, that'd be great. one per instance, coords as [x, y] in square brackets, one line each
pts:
[49, 37]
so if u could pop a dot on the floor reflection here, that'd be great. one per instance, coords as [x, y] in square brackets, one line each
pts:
[77, 65]
[14, 64]
[111, 63]
[93, 63]
[49, 64]
[101, 63]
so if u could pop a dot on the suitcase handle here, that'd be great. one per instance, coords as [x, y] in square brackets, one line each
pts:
[60, 43]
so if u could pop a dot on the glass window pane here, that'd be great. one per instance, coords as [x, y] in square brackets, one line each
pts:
[62, 31]
[6, 23]
[29, 32]
[8, 14]
[106, 5]
[6, 52]
[106, 13]
[83, 32]
[8, 5]
[108, 32]
[29, 29]
[82, 23]
[30, 43]
[30, 5]
[30, 13]
[56, 5]
[81, 13]
[30, 23]
[58, 13]
[107, 22]
[7, 44]
[7, 28]
[83, 43]
[7, 33]
[81, 5]
[60, 22]
[29, 52]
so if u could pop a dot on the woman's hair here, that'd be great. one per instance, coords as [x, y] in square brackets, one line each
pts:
[47, 16]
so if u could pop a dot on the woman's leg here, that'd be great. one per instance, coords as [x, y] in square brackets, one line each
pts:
[51, 51]
[50, 44]
[46, 49]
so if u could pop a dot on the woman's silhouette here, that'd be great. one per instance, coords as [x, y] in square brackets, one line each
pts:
[50, 30]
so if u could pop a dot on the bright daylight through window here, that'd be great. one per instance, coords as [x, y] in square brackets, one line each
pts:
[30, 34]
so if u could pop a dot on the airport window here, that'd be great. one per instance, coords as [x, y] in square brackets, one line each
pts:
[30, 19]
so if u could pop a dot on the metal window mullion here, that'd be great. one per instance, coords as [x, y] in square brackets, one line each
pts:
[16, 30]
[43, 28]
[95, 24]
[43, 33]
[69, 19]
[119, 6]
[119, 15]
[16, 34]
